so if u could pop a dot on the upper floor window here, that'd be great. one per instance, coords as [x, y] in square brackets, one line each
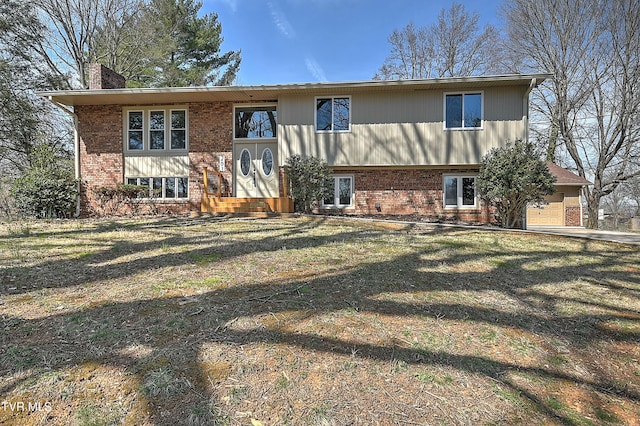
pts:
[156, 129]
[333, 114]
[255, 122]
[463, 110]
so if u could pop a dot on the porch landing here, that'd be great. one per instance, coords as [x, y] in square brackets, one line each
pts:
[246, 205]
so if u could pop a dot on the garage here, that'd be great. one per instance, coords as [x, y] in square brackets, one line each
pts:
[564, 207]
[551, 214]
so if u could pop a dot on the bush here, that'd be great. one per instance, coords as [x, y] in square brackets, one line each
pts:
[310, 179]
[512, 177]
[112, 198]
[47, 189]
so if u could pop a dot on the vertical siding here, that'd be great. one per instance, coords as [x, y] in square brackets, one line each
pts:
[400, 128]
[154, 166]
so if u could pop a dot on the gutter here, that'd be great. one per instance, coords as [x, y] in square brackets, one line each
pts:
[76, 148]
[525, 106]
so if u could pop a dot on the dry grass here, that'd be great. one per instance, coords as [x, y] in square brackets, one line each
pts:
[320, 322]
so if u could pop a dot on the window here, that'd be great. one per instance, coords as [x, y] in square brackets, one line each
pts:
[135, 132]
[333, 114]
[156, 130]
[342, 192]
[255, 122]
[178, 129]
[245, 162]
[163, 187]
[463, 111]
[267, 162]
[460, 191]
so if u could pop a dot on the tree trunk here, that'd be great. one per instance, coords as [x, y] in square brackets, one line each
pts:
[593, 205]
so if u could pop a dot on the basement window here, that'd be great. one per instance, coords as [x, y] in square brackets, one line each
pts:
[342, 193]
[165, 188]
[460, 192]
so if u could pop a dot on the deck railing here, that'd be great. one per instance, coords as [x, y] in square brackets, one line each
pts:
[205, 175]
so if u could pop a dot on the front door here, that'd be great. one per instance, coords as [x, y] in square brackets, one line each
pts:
[256, 169]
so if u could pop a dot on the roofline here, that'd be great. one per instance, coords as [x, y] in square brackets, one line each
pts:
[67, 97]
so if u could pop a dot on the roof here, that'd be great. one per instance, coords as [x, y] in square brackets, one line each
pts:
[142, 96]
[565, 177]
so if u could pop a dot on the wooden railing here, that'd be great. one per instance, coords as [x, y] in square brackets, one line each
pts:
[205, 175]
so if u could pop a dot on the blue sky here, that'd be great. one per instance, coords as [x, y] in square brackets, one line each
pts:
[295, 41]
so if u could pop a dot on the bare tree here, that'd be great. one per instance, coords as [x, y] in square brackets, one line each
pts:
[592, 105]
[122, 39]
[453, 46]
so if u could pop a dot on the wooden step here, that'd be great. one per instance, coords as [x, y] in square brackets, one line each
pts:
[245, 205]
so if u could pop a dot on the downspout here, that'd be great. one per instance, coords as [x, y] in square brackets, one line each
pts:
[525, 107]
[76, 149]
[581, 207]
[525, 119]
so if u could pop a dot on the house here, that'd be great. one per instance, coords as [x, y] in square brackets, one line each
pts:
[564, 207]
[406, 147]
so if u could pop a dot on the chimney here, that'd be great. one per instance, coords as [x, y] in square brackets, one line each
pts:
[101, 77]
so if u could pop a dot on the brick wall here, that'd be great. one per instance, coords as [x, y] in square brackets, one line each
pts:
[409, 192]
[102, 160]
[572, 216]
[101, 77]
[210, 137]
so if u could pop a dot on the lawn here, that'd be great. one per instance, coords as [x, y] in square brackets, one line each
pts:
[167, 321]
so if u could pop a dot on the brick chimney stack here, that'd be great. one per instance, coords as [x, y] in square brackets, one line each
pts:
[101, 77]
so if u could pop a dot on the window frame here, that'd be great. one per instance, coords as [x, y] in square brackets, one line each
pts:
[146, 130]
[336, 193]
[463, 94]
[459, 191]
[240, 106]
[333, 98]
[163, 190]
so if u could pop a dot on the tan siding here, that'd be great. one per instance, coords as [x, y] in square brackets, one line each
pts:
[404, 128]
[571, 195]
[148, 166]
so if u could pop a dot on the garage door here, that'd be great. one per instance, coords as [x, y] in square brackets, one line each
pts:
[551, 214]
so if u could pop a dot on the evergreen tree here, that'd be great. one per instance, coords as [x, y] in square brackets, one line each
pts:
[186, 48]
[512, 177]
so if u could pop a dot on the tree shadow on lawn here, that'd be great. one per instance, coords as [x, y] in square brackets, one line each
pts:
[97, 264]
[411, 286]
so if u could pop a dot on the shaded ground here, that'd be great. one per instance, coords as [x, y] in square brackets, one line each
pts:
[301, 321]
[594, 234]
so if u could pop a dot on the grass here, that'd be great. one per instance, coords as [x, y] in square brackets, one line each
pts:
[313, 321]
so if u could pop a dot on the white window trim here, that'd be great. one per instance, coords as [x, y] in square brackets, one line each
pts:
[162, 197]
[444, 107]
[459, 205]
[315, 113]
[233, 118]
[336, 193]
[146, 142]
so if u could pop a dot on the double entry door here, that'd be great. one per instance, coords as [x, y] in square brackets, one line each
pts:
[256, 169]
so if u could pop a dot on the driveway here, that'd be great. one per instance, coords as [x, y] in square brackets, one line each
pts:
[620, 237]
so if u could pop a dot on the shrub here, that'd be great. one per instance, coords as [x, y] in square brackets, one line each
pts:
[47, 189]
[112, 198]
[512, 177]
[310, 179]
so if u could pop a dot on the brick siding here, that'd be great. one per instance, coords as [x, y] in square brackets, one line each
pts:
[100, 132]
[572, 216]
[101, 77]
[409, 192]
